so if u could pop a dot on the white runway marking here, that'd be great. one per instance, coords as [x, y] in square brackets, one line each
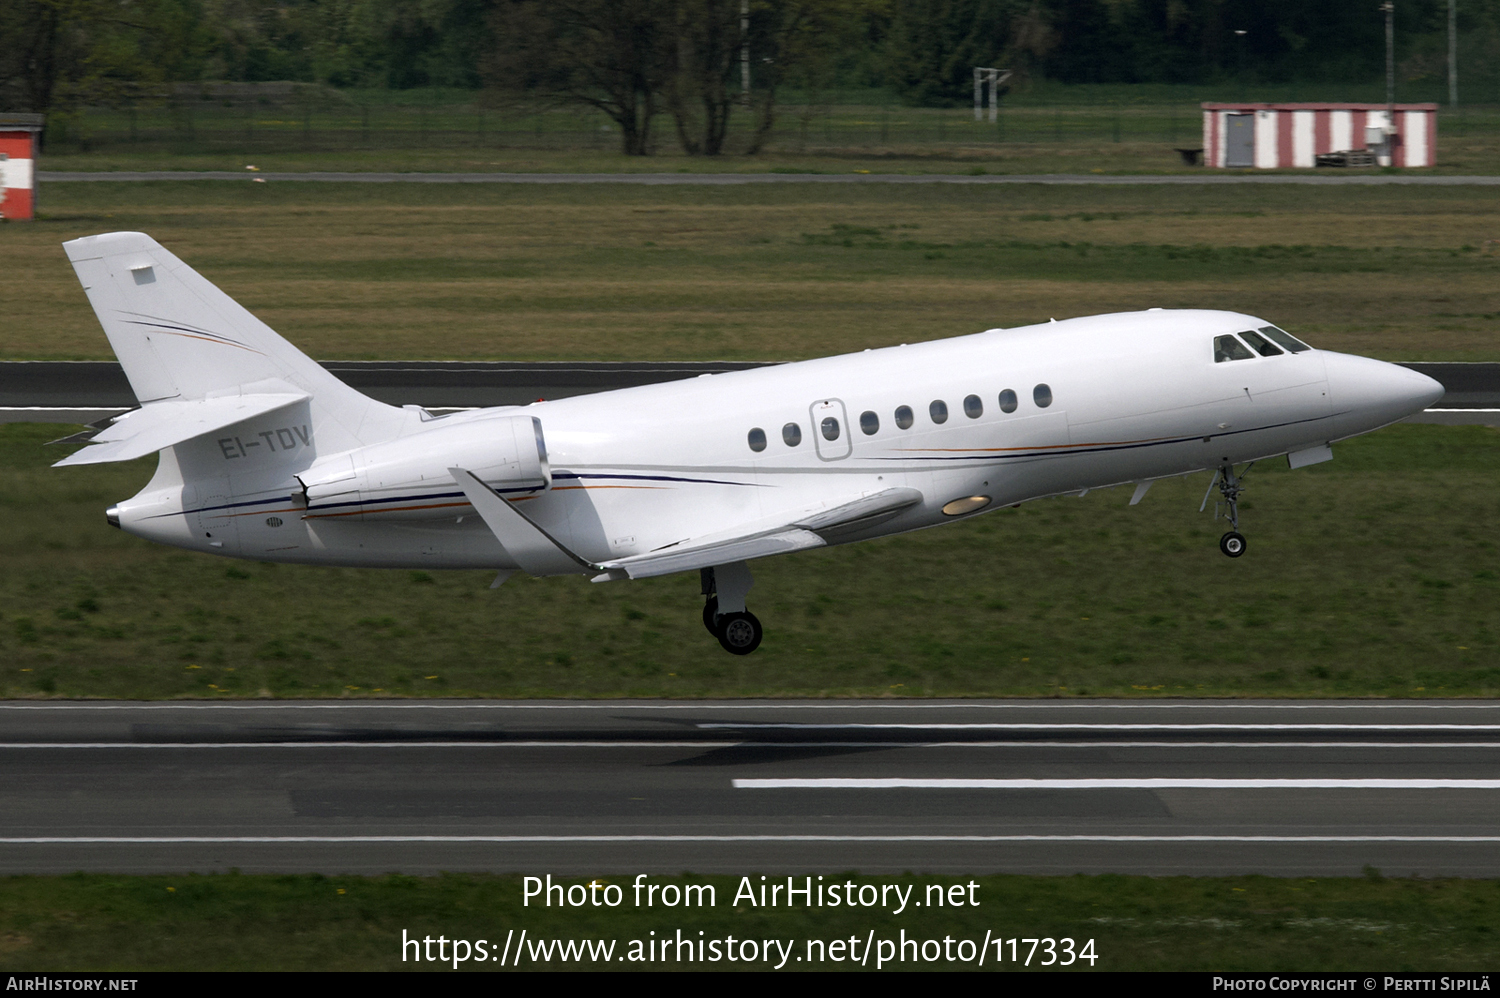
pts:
[701, 706]
[1033, 726]
[33, 746]
[564, 839]
[1148, 783]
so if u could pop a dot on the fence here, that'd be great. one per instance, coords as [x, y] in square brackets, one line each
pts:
[314, 119]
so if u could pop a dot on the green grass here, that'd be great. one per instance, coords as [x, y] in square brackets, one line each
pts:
[241, 922]
[374, 271]
[1372, 575]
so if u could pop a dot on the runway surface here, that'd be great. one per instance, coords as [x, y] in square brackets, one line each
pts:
[83, 391]
[726, 179]
[1049, 787]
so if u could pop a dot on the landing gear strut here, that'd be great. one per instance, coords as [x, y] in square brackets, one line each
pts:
[724, 613]
[1230, 486]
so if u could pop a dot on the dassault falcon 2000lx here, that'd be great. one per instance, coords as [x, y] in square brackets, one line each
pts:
[265, 455]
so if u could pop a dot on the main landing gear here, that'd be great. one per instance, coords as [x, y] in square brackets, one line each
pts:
[724, 613]
[1230, 486]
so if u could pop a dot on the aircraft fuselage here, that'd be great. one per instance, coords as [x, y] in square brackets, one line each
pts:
[972, 423]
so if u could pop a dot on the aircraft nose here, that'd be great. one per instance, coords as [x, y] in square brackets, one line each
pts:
[1368, 393]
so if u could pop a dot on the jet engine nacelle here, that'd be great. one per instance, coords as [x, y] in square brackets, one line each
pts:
[408, 478]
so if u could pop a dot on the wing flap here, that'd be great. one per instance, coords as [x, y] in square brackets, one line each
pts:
[156, 425]
[806, 530]
[862, 512]
[646, 566]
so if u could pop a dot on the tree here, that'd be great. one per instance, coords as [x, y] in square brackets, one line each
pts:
[58, 53]
[613, 55]
[791, 38]
[706, 45]
[934, 45]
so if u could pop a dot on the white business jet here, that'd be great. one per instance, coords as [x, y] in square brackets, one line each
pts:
[263, 454]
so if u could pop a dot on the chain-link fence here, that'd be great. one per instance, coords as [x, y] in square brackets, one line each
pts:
[294, 117]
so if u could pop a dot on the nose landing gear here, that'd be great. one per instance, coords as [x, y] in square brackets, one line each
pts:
[1230, 486]
[724, 614]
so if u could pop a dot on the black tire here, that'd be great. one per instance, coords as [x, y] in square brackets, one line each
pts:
[1232, 544]
[711, 614]
[739, 633]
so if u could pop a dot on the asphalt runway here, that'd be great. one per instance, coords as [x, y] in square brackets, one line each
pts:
[585, 788]
[728, 179]
[83, 391]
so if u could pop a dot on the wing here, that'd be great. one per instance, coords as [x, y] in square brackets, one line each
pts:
[538, 553]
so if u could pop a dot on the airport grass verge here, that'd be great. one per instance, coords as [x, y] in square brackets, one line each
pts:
[1372, 575]
[773, 272]
[228, 922]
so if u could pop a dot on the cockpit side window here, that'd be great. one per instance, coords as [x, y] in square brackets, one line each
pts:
[1286, 339]
[1229, 348]
[1260, 344]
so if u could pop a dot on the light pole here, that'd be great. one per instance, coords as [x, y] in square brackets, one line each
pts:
[1453, 53]
[1239, 36]
[1390, 81]
[745, 53]
[1390, 54]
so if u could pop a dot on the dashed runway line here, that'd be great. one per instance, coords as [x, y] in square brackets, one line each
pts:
[594, 839]
[1146, 783]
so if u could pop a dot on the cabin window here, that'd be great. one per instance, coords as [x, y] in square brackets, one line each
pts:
[757, 440]
[1286, 339]
[1007, 401]
[830, 428]
[973, 407]
[1042, 396]
[938, 410]
[1229, 348]
[791, 433]
[904, 417]
[870, 423]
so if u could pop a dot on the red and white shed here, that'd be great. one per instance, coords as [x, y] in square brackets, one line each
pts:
[1268, 136]
[19, 135]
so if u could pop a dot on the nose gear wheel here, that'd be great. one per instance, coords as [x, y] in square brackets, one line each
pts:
[1232, 544]
[1228, 506]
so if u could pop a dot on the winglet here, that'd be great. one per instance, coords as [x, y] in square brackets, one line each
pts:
[527, 544]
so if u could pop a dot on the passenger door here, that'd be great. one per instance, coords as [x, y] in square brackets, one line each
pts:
[830, 429]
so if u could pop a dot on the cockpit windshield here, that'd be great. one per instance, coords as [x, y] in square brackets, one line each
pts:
[1286, 339]
[1260, 344]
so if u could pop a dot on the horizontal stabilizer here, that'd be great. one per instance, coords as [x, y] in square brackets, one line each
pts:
[161, 424]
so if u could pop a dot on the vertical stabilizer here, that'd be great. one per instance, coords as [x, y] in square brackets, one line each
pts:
[179, 337]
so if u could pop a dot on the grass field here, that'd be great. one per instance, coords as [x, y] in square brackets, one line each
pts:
[238, 922]
[1373, 575]
[599, 272]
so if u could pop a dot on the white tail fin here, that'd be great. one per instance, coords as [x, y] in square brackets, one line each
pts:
[179, 337]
